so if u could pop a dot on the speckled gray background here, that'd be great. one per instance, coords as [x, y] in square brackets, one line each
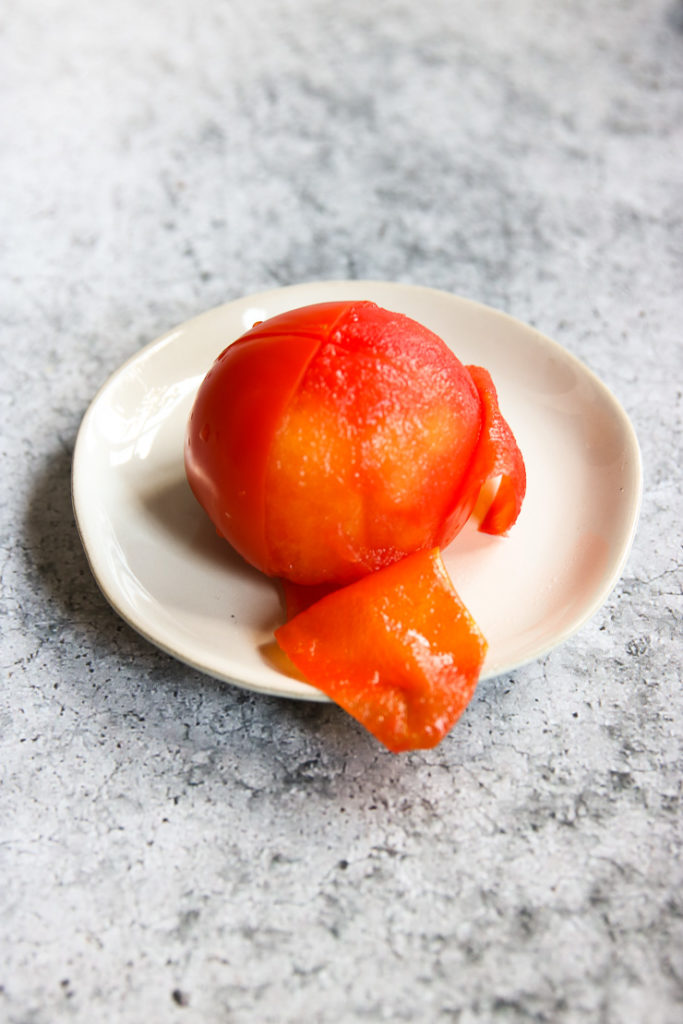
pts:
[177, 850]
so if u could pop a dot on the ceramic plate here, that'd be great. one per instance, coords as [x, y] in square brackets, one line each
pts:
[161, 565]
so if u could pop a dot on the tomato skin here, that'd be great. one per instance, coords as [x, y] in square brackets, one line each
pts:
[230, 432]
[397, 650]
[235, 414]
[316, 321]
[497, 454]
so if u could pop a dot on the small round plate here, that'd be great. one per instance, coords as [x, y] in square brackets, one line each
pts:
[161, 565]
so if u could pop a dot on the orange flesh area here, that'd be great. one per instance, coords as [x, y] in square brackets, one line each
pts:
[364, 465]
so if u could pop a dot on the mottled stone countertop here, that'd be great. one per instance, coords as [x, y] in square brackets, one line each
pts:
[175, 849]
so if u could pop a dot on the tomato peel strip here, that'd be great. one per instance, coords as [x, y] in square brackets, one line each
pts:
[397, 649]
[497, 454]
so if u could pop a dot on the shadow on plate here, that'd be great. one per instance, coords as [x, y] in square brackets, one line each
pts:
[175, 510]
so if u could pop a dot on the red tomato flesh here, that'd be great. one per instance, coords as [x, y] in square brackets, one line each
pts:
[397, 649]
[371, 450]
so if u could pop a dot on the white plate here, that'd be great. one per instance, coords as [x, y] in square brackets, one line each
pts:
[161, 565]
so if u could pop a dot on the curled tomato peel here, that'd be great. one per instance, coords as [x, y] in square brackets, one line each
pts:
[496, 454]
[316, 321]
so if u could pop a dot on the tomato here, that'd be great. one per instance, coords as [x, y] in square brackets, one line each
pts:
[397, 649]
[333, 440]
